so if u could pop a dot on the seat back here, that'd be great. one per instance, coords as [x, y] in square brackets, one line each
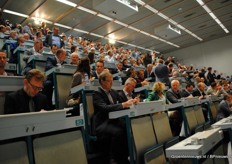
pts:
[2, 101]
[14, 153]
[62, 87]
[143, 135]
[154, 156]
[199, 115]
[162, 127]
[40, 65]
[90, 107]
[60, 148]
[213, 109]
[191, 119]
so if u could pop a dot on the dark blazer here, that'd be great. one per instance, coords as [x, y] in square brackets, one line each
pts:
[123, 96]
[94, 74]
[102, 107]
[196, 92]
[223, 110]
[48, 41]
[152, 75]
[173, 96]
[162, 74]
[18, 102]
[185, 93]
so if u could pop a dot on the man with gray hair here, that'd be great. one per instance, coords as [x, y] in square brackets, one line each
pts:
[107, 100]
[74, 58]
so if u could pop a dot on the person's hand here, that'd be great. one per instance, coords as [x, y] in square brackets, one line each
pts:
[128, 103]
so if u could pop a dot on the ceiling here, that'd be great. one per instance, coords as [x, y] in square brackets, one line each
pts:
[187, 13]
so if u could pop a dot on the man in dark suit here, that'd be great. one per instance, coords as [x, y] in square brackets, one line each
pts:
[200, 93]
[187, 92]
[99, 68]
[54, 38]
[127, 92]
[27, 99]
[162, 73]
[173, 95]
[52, 62]
[36, 50]
[224, 108]
[149, 74]
[108, 100]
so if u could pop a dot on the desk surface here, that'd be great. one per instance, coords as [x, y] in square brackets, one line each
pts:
[24, 124]
[224, 123]
[140, 109]
[196, 145]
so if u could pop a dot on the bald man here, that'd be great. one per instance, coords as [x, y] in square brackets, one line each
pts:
[173, 94]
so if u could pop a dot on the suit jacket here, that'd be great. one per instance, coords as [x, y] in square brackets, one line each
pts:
[18, 102]
[185, 93]
[173, 96]
[102, 107]
[94, 74]
[123, 96]
[162, 74]
[48, 41]
[152, 75]
[196, 92]
[224, 110]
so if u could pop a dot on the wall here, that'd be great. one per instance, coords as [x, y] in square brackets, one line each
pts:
[216, 53]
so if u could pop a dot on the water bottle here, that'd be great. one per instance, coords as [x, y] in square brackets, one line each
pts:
[87, 79]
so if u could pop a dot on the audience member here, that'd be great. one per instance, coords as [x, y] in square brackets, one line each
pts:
[224, 108]
[108, 100]
[27, 99]
[54, 39]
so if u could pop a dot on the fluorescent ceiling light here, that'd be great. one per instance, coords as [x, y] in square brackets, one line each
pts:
[15, 13]
[163, 16]
[133, 28]
[172, 21]
[212, 15]
[153, 36]
[151, 9]
[132, 45]
[97, 35]
[206, 9]
[227, 31]
[145, 33]
[87, 10]
[121, 23]
[61, 25]
[200, 2]
[122, 42]
[67, 3]
[105, 17]
[140, 2]
[82, 31]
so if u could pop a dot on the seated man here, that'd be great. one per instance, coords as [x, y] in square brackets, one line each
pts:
[187, 92]
[55, 61]
[74, 58]
[2, 64]
[215, 89]
[173, 95]
[27, 99]
[224, 108]
[108, 100]
[36, 50]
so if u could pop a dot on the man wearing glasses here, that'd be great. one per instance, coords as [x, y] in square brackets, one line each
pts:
[27, 99]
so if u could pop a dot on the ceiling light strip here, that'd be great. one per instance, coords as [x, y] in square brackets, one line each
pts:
[82, 31]
[42, 20]
[207, 9]
[97, 35]
[121, 23]
[87, 10]
[15, 13]
[105, 17]
[61, 25]
[67, 3]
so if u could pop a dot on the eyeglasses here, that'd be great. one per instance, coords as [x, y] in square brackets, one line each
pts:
[4, 58]
[35, 87]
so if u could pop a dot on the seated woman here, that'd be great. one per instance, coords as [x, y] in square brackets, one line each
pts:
[80, 76]
[157, 93]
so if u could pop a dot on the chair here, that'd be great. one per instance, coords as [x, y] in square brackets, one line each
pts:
[62, 85]
[40, 65]
[199, 115]
[191, 121]
[213, 110]
[14, 153]
[143, 135]
[60, 148]
[2, 101]
[163, 130]
[155, 156]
